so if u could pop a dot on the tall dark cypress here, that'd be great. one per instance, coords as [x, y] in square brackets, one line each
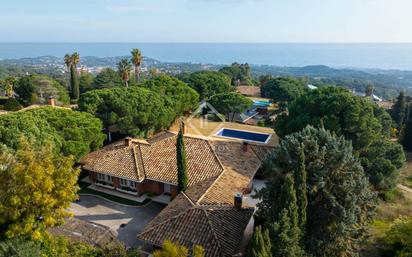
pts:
[399, 110]
[285, 232]
[301, 188]
[182, 178]
[74, 83]
[259, 245]
[407, 133]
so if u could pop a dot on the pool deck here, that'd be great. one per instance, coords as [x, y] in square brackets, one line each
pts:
[197, 127]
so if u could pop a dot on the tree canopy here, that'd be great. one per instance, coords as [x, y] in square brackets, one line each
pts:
[259, 245]
[73, 133]
[85, 82]
[169, 249]
[232, 102]
[107, 78]
[340, 201]
[40, 187]
[283, 89]
[399, 110]
[358, 120]
[33, 89]
[134, 110]
[208, 83]
[26, 89]
[238, 73]
[184, 98]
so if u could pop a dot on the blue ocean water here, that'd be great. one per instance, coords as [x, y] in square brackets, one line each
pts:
[383, 56]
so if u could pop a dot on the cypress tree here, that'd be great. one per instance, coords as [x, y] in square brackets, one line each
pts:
[182, 178]
[399, 110]
[259, 245]
[285, 232]
[301, 188]
[407, 133]
[74, 83]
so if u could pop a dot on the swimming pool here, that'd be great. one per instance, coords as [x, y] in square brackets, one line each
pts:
[261, 103]
[244, 135]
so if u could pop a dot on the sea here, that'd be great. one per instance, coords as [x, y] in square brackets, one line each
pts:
[339, 55]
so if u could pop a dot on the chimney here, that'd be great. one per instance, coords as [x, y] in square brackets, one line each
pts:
[245, 146]
[238, 201]
[128, 141]
[51, 101]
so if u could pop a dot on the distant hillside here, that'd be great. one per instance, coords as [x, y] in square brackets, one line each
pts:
[387, 83]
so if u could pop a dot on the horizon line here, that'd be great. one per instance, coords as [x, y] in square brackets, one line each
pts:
[148, 42]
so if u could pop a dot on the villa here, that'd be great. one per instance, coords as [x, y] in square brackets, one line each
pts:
[211, 212]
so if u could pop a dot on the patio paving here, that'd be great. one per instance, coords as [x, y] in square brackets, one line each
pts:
[125, 221]
[249, 199]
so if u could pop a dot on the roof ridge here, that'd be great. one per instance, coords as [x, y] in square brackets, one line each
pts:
[163, 222]
[218, 177]
[138, 160]
[213, 231]
[188, 198]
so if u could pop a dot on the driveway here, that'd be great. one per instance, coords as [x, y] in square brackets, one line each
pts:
[113, 215]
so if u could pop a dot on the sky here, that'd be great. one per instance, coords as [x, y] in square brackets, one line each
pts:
[205, 21]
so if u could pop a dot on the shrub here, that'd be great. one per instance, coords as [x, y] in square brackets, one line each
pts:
[12, 105]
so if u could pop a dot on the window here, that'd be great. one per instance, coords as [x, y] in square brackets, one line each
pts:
[123, 182]
[132, 184]
[109, 178]
[100, 177]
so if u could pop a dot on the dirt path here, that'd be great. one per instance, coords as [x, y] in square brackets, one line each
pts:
[406, 190]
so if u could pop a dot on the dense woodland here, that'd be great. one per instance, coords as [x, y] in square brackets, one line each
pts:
[337, 160]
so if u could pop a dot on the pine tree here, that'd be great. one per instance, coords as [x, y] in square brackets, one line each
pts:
[301, 188]
[259, 245]
[340, 199]
[399, 110]
[182, 178]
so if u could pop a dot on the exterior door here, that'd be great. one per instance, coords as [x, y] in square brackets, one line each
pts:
[166, 189]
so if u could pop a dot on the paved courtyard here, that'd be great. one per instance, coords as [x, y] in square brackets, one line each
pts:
[126, 221]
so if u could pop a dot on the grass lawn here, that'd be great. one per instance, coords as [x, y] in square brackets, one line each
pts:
[84, 190]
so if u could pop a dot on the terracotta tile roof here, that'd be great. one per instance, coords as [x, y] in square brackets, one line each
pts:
[218, 229]
[155, 159]
[262, 151]
[206, 208]
[116, 159]
[240, 168]
[86, 232]
[249, 90]
[159, 160]
[204, 214]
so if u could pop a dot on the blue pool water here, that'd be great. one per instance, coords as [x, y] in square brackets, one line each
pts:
[261, 103]
[245, 135]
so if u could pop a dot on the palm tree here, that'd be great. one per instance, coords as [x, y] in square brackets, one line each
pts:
[75, 58]
[73, 74]
[137, 61]
[123, 68]
[68, 61]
